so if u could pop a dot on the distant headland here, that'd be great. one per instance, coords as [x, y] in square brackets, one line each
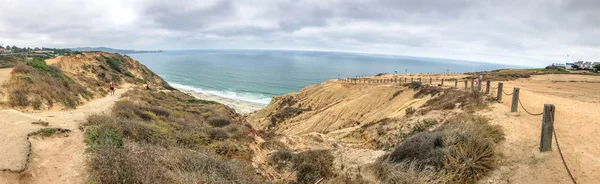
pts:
[113, 50]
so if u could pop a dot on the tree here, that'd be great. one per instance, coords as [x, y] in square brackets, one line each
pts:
[597, 68]
[576, 67]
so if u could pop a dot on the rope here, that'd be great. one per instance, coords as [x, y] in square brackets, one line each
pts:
[563, 158]
[521, 103]
[506, 93]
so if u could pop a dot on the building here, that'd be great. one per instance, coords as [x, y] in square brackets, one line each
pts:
[587, 65]
[569, 66]
[1, 50]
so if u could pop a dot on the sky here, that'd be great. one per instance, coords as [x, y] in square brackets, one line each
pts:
[515, 32]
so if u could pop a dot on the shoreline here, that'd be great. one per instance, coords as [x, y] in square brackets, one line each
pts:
[240, 106]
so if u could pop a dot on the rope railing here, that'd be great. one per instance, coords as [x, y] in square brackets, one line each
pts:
[506, 93]
[563, 158]
[537, 114]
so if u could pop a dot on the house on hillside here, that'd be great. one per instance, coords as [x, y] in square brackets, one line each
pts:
[1, 51]
[587, 65]
[569, 66]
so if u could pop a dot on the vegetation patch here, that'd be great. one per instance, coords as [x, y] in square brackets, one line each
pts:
[200, 101]
[310, 166]
[462, 150]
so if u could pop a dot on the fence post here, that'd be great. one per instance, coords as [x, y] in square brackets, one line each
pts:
[515, 100]
[499, 94]
[487, 87]
[405, 80]
[466, 85]
[456, 84]
[547, 128]
[411, 79]
[430, 81]
[472, 84]
[442, 82]
[479, 85]
[419, 79]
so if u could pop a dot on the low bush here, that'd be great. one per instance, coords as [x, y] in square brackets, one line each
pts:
[218, 122]
[460, 151]
[409, 110]
[102, 136]
[47, 131]
[313, 165]
[200, 101]
[281, 159]
[273, 145]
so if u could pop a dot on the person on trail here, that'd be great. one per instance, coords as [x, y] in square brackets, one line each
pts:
[112, 89]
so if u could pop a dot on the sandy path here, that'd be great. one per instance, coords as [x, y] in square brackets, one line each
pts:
[57, 159]
[576, 125]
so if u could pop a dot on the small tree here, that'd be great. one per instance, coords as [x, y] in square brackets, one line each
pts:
[597, 68]
[576, 67]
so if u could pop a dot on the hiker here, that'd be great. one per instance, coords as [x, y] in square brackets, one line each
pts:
[112, 88]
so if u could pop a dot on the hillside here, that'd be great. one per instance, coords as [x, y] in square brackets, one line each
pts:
[69, 81]
[111, 50]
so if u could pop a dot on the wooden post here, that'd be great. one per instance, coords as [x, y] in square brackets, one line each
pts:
[456, 84]
[419, 79]
[466, 85]
[487, 87]
[442, 82]
[406, 78]
[472, 84]
[430, 81]
[515, 100]
[411, 79]
[479, 86]
[547, 128]
[499, 94]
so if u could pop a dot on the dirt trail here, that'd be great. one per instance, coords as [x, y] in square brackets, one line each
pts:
[576, 126]
[56, 159]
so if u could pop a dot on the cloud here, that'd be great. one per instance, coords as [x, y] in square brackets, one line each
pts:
[535, 32]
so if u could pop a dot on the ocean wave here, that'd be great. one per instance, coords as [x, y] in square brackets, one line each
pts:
[243, 96]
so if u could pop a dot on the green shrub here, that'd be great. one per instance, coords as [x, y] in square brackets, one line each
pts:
[409, 110]
[102, 136]
[114, 63]
[47, 131]
[200, 101]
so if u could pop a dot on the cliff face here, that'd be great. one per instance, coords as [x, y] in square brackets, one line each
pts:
[332, 107]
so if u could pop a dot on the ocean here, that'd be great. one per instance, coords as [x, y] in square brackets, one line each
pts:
[247, 79]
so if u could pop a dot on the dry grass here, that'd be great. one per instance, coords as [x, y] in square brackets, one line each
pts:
[460, 151]
[144, 163]
[7, 61]
[41, 87]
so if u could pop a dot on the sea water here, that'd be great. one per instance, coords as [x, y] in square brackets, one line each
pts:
[247, 79]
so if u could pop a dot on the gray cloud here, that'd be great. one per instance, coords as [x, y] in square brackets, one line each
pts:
[533, 32]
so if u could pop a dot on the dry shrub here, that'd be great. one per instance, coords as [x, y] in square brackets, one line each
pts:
[281, 159]
[427, 90]
[450, 98]
[141, 163]
[403, 173]
[423, 148]
[460, 151]
[273, 144]
[313, 165]
[218, 122]
[218, 134]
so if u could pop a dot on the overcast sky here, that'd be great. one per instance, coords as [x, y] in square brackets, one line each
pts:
[522, 32]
